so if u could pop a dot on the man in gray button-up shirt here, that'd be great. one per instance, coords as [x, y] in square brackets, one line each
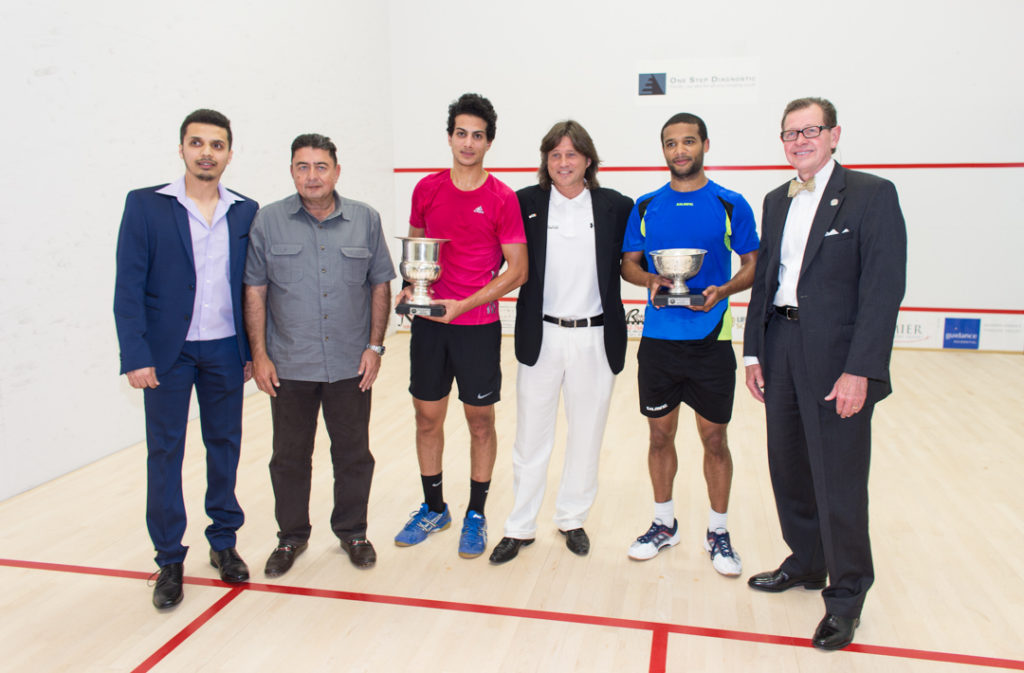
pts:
[317, 300]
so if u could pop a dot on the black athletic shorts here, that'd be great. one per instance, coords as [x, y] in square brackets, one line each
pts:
[701, 373]
[469, 354]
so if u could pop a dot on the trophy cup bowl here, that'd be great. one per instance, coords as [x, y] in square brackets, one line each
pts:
[420, 266]
[678, 264]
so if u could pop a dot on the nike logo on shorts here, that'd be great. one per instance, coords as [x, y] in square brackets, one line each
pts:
[485, 395]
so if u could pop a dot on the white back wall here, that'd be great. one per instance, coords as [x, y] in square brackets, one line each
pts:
[95, 92]
[914, 82]
[94, 96]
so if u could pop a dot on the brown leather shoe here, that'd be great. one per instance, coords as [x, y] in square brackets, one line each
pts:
[360, 551]
[282, 558]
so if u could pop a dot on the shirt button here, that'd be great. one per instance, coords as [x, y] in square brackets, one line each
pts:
[325, 316]
[327, 338]
[325, 294]
[322, 247]
[323, 270]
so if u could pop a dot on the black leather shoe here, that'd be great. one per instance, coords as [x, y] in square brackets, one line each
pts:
[168, 590]
[360, 551]
[508, 549]
[282, 558]
[577, 541]
[834, 632]
[779, 580]
[231, 566]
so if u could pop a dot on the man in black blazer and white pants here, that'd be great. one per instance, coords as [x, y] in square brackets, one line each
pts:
[830, 277]
[570, 334]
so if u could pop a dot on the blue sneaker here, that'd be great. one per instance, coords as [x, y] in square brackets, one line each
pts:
[474, 535]
[657, 537]
[423, 523]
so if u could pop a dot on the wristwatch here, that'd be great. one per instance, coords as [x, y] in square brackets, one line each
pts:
[379, 350]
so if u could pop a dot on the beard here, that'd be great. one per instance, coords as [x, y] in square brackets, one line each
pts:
[695, 167]
[206, 177]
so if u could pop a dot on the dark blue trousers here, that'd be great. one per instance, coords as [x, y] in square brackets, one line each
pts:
[214, 369]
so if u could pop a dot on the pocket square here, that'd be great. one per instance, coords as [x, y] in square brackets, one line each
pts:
[833, 232]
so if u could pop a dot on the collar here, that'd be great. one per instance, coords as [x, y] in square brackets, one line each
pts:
[822, 177]
[560, 199]
[294, 206]
[177, 190]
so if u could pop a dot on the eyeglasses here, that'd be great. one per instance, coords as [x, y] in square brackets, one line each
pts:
[809, 132]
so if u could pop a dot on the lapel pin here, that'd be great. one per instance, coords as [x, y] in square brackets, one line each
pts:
[532, 215]
[835, 202]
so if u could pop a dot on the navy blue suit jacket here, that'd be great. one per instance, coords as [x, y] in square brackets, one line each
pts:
[156, 278]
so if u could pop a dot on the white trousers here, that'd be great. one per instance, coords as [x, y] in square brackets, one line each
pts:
[572, 361]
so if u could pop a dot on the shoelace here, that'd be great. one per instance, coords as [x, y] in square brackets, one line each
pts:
[721, 544]
[423, 523]
[474, 528]
[653, 531]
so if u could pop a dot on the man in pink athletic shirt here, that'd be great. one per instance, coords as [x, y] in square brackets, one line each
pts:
[480, 216]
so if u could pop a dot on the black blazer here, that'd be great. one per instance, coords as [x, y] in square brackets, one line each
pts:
[611, 210]
[851, 282]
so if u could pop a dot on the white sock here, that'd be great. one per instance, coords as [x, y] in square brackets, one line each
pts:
[665, 513]
[717, 521]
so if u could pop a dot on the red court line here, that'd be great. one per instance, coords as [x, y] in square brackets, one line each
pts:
[659, 651]
[522, 613]
[752, 167]
[193, 626]
[907, 309]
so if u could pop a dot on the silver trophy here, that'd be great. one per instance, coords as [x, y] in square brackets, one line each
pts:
[420, 266]
[678, 264]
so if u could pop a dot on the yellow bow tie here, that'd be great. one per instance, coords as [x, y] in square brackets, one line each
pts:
[795, 186]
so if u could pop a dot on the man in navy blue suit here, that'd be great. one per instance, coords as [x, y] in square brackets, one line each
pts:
[178, 308]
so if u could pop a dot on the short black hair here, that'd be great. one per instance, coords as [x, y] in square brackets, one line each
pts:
[476, 105]
[317, 142]
[686, 118]
[206, 116]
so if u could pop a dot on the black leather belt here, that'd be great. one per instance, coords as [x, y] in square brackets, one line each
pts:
[788, 312]
[582, 322]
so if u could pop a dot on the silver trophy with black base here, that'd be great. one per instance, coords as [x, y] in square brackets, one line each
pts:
[679, 265]
[421, 267]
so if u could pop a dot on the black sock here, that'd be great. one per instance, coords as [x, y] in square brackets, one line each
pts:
[433, 493]
[478, 495]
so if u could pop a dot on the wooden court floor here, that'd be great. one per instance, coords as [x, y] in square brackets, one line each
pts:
[947, 509]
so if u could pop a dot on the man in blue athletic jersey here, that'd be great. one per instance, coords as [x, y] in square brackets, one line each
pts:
[686, 353]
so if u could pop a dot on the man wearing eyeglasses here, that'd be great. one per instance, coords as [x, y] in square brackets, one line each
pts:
[830, 276]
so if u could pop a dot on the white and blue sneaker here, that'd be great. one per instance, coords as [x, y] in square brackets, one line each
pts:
[724, 558]
[474, 535]
[423, 523]
[657, 537]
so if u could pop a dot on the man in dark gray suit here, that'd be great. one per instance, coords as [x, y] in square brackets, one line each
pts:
[830, 276]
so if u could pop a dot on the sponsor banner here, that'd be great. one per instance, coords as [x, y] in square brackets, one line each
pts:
[961, 333]
[914, 329]
[683, 82]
